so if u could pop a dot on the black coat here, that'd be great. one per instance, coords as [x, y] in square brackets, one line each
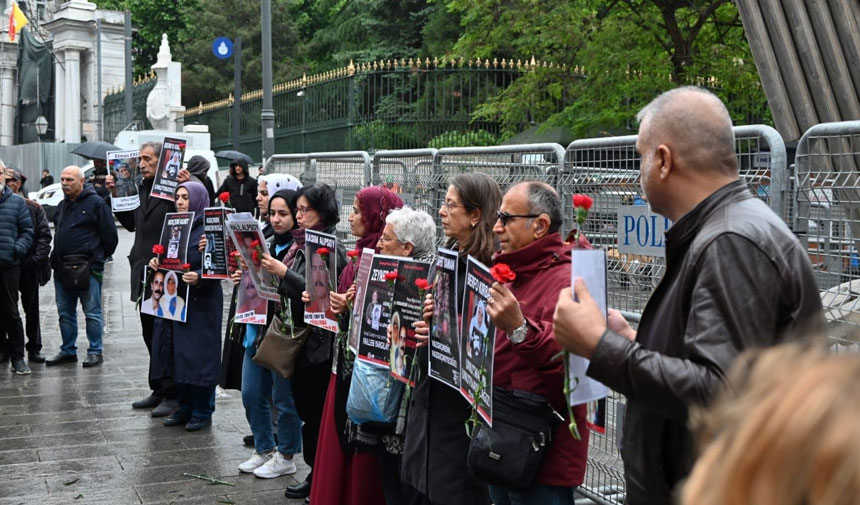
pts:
[84, 226]
[41, 248]
[189, 352]
[146, 222]
[243, 194]
[436, 444]
[736, 278]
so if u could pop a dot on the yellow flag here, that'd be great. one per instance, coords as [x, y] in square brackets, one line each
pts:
[17, 20]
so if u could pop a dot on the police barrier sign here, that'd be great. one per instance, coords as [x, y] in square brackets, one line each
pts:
[640, 231]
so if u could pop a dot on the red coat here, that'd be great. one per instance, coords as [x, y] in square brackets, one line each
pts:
[543, 269]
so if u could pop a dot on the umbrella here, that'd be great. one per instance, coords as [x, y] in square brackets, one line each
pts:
[95, 150]
[234, 156]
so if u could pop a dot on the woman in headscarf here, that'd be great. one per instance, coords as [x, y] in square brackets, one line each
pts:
[188, 352]
[357, 478]
[272, 456]
[436, 445]
[269, 185]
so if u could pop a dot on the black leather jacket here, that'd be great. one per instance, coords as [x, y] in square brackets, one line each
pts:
[318, 346]
[736, 278]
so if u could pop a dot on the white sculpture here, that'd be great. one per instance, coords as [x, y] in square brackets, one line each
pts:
[164, 104]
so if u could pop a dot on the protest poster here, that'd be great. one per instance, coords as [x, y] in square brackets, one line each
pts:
[248, 239]
[169, 164]
[590, 265]
[251, 308]
[376, 311]
[174, 239]
[320, 278]
[406, 309]
[123, 166]
[360, 289]
[215, 256]
[445, 330]
[477, 342]
[164, 295]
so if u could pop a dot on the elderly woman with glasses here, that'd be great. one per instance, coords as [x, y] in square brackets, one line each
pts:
[436, 443]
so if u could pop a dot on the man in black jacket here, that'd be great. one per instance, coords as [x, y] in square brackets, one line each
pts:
[736, 278]
[84, 230]
[241, 186]
[16, 237]
[34, 270]
[146, 222]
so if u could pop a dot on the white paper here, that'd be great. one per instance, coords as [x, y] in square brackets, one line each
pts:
[590, 265]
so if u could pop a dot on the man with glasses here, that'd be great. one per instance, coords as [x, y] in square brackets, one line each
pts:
[528, 227]
[146, 222]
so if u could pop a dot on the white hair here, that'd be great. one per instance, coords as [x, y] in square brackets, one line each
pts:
[277, 182]
[79, 172]
[414, 227]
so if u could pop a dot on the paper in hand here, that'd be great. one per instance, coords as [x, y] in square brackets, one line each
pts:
[590, 265]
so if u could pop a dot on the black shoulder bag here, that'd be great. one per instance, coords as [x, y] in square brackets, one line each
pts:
[74, 271]
[509, 454]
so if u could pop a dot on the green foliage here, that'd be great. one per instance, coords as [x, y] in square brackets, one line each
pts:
[455, 138]
[378, 135]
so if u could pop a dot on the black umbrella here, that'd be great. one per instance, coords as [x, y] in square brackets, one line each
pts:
[95, 150]
[234, 156]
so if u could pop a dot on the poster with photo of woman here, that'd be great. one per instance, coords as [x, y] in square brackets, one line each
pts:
[169, 164]
[165, 295]
[174, 239]
[477, 342]
[123, 166]
[445, 330]
[215, 256]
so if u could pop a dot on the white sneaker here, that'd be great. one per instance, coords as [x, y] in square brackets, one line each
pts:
[275, 467]
[256, 461]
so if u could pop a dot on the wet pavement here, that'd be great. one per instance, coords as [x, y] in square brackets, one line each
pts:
[68, 435]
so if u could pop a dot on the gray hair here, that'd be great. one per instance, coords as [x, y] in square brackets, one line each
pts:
[414, 227]
[155, 146]
[79, 172]
[544, 199]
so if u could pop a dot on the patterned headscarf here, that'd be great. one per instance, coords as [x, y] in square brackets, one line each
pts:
[277, 182]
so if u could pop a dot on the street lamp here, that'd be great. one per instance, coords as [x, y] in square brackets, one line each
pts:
[41, 125]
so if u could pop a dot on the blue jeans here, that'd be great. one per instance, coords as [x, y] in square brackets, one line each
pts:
[196, 401]
[67, 307]
[536, 494]
[259, 384]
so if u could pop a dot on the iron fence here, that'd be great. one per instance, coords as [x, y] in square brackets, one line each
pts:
[827, 172]
[412, 175]
[114, 108]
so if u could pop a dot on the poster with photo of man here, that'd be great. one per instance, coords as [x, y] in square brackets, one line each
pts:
[477, 342]
[251, 308]
[375, 314]
[407, 308]
[169, 164]
[174, 239]
[165, 295]
[123, 166]
[248, 238]
[320, 276]
[360, 290]
[445, 331]
[215, 262]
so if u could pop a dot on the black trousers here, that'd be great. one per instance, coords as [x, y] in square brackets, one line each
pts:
[309, 389]
[29, 289]
[160, 387]
[12, 339]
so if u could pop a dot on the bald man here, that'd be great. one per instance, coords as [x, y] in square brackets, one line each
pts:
[736, 278]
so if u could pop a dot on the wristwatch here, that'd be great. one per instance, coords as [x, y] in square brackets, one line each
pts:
[517, 336]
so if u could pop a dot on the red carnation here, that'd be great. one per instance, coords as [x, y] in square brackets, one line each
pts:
[255, 243]
[224, 197]
[583, 201]
[255, 257]
[185, 267]
[423, 284]
[158, 249]
[234, 254]
[323, 251]
[502, 273]
[352, 254]
[391, 276]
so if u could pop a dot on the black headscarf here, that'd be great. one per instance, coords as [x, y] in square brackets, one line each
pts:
[290, 197]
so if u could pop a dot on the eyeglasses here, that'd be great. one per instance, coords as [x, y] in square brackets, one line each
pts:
[303, 210]
[504, 217]
[448, 204]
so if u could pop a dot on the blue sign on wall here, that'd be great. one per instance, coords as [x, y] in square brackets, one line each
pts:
[222, 48]
[641, 232]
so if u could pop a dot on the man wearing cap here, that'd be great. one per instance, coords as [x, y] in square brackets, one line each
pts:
[35, 271]
[16, 237]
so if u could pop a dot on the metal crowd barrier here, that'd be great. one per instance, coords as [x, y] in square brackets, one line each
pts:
[411, 174]
[827, 173]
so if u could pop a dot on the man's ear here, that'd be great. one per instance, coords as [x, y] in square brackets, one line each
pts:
[664, 160]
[541, 226]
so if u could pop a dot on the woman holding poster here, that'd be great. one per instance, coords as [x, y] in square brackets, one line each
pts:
[438, 412]
[194, 360]
[261, 385]
[357, 474]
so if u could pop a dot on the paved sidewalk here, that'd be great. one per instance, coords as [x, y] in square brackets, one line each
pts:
[68, 435]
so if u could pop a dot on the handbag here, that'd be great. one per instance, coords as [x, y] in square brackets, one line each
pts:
[278, 349]
[74, 272]
[509, 454]
[374, 395]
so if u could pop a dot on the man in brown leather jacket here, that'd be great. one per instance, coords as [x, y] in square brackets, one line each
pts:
[736, 278]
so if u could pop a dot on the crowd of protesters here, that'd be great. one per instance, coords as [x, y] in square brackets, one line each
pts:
[725, 245]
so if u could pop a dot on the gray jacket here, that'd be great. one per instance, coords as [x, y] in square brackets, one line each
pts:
[736, 278]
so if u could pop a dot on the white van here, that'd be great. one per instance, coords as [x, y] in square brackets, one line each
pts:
[197, 136]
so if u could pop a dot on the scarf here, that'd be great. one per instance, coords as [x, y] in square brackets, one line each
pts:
[289, 196]
[298, 235]
[198, 198]
[374, 204]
